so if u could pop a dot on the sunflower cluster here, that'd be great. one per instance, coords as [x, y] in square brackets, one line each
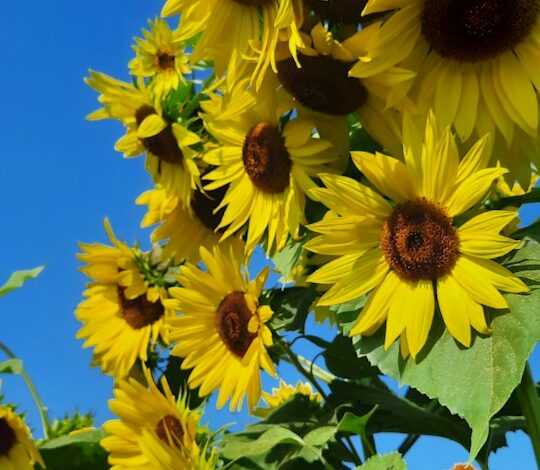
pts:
[371, 133]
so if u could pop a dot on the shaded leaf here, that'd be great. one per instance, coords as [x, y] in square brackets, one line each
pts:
[392, 461]
[11, 366]
[18, 278]
[291, 307]
[341, 359]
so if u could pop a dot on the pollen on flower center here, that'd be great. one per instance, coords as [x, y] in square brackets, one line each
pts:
[419, 241]
[476, 30]
[8, 438]
[139, 312]
[266, 159]
[322, 84]
[162, 145]
[169, 429]
[204, 204]
[233, 316]
[165, 61]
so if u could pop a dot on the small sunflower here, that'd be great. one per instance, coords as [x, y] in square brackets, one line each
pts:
[221, 331]
[268, 167]
[168, 145]
[17, 449]
[475, 59]
[123, 311]
[284, 393]
[160, 56]
[183, 229]
[408, 252]
[155, 431]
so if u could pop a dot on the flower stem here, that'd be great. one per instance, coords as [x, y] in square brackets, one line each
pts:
[42, 409]
[530, 406]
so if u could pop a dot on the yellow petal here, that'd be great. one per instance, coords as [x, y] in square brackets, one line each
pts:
[152, 125]
[454, 304]
[419, 306]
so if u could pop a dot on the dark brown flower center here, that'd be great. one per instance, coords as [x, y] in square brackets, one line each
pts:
[476, 30]
[169, 429]
[322, 84]
[266, 159]
[419, 241]
[8, 438]
[204, 204]
[339, 11]
[162, 145]
[139, 312]
[233, 316]
[165, 61]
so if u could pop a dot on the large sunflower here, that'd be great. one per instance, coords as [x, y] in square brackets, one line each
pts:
[220, 331]
[267, 166]
[183, 229]
[477, 60]
[409, 251]
[155, 431]
[17, 449]
[168, 145]
[123, 311]
[160, 56]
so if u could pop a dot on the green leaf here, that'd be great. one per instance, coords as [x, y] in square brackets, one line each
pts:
[320, 436]
[392, 461]
[341, 360]
[11, 366]
[18, 278]
[531, 231]
[291, 307]
[82, 450]
[532, 196]
[354, 424]
[287, 259]
[474, 382]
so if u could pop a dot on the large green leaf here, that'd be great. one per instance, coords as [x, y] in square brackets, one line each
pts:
[18, 278]
[474, 383]
[384, 462]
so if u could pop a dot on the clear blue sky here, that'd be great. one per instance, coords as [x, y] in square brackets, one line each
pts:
[60, 176]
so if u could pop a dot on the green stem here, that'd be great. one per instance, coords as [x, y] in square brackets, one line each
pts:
[42, 409]
[530, 406]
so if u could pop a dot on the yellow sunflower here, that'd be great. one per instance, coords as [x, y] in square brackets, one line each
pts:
[155, 431]
[268, 167]
[168, 145]
[476, 59]
[284, 393]
[160, 56]
[183, 229]
[123, 311]
[408, 251]
[221, 331]
[17, 449]
[240, 27]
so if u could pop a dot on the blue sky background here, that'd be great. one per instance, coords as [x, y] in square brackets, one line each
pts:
[60, 176]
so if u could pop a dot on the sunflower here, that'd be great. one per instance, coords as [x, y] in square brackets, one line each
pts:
[155, 431]
[160, 56]
[17, 450]
[475, 59]
[407, 251]
[168, 145]
[123, 311]
[240, 27]
[185, 230]
[268, 166]
[221, 331]
[284, 393]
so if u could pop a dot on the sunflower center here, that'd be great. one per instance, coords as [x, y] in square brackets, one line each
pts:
[266, 159]
[322, 84]
[162, 145]
[169, 429]
[139, 312]
[233, 316]
[204, 205]
[476, 30]
[8, 438]
[419, 241]
[165, 61]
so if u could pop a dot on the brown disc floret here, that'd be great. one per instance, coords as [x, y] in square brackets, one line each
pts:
[8, 438]
[165, 61]
[419, 241]
[139, 312]
[204, 205]
[233, 317]
[266, 159]
[476, 30]
[169, 429]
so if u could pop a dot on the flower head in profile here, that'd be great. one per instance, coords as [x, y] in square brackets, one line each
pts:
[284, 393]
[154, 429]
[401, 243]
[220, 331]
[123, 311]
[17, 449]
[171, 158]
[160, 56]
